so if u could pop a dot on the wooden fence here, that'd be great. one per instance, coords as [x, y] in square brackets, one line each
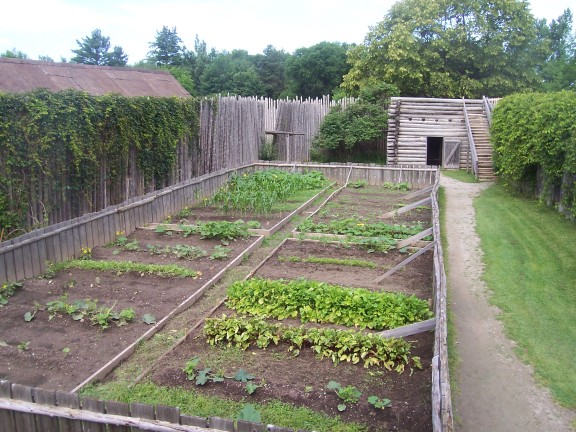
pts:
[26, 256]
[26, 409]
[442, 419]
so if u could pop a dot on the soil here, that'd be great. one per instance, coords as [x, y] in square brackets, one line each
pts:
[495, 391]
[371, 203]
[302, 380]
[415, 278]
[44, 363]
[298, 380]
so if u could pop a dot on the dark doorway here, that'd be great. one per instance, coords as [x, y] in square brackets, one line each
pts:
[434, 150]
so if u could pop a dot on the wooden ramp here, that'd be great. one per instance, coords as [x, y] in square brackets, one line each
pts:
[481, 135]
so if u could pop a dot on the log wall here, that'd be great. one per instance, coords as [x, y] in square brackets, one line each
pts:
[412, 120]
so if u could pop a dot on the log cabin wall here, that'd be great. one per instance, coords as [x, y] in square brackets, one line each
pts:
[413, 121]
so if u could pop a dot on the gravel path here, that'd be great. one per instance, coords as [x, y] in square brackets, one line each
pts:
[495, 390]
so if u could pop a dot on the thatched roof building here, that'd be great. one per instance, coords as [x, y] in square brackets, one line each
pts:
[19, 76]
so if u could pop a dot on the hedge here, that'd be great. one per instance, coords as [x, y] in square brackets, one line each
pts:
[534, 138]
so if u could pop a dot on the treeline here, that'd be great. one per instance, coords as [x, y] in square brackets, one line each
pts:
[534, 138]
[469, 48]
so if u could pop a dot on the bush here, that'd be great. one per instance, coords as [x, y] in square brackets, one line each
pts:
[534, 137]
[360, 125]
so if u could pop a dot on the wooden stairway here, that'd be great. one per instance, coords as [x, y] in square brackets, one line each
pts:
[481, 135]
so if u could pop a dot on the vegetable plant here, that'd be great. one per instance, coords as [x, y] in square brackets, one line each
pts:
[220, 253]
[260, 191]
[348, 394]
[379, 403]
[313, 301]
[336, 345]
[169, 270]
[7, 290]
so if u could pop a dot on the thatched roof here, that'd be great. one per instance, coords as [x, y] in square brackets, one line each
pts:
[18, 76]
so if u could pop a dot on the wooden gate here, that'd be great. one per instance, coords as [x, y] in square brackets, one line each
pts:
[451, 154]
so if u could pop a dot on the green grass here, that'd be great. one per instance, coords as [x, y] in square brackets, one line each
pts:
[192, 402]
[126, 266]
[530, 265]
[460, 175]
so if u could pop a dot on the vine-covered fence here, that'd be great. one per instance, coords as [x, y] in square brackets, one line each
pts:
[66, 154]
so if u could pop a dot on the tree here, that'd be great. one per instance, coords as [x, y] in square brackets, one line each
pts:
[271, 67]
[166, 49]
[444, 48]
[559, 71]
[232, 73]
[316, 71]
[197, 60]
[93, 50]
[14, 53]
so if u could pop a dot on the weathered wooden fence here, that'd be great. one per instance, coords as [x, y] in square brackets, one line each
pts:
[301, 118]
[442, 419]
[26, 409]
[26, 257]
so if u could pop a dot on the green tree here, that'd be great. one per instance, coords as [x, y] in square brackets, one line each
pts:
[197, 60]
[444, 48]
[166, 49]
[559, 71]
[346, 134]
[316, 71]
[14, 53]
[232, 73]
[271, 67]
[93, 50]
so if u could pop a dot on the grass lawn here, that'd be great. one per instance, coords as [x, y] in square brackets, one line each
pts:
[530, 265]
[460, 175]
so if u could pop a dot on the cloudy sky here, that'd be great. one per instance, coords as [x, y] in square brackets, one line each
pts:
[51, 27]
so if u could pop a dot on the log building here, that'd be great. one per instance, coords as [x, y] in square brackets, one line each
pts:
[451, 133]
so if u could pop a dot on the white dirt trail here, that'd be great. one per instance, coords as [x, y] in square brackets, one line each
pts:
[496, 392]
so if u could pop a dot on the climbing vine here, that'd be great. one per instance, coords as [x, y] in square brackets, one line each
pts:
[57, 150]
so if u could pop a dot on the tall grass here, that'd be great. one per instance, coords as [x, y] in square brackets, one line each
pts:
[530, 265]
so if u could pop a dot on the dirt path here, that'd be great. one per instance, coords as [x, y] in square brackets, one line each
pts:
[496, 391]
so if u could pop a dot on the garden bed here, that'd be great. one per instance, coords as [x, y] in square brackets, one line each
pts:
[59, 352]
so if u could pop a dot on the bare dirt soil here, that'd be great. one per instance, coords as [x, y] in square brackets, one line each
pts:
[60, 352]
[495, 391]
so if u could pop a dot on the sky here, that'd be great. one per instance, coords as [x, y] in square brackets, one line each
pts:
[52, 27]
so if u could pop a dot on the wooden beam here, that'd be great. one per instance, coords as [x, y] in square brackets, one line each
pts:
[405, 262]
[426, 190]
[410, 329]
[406, 208]
[411, 240]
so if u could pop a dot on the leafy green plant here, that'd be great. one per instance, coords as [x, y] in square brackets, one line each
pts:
[379, 403]
[260, 191]
[190, 368]
[313, 301]
[324, 260]
[249, 413]
[148, 319]
[188, 252]
[119, 267]
[251, 387]
[336, 345]
[224, 230]
[23, 346]
[104, 316]
[121, 239]
[220, 253]
[186, 212]
[161, 229]
[7, 290]
[358, 184]
[354, 226]
[397, 186]
[348, 394]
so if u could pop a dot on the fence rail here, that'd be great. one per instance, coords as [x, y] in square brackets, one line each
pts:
[26, 257]
[27, 409]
